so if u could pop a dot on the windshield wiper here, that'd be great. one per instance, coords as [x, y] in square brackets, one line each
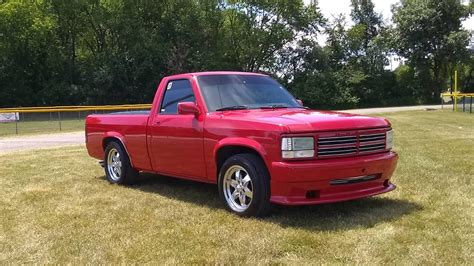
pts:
[235, 107]
[277, 106]
[273, 106]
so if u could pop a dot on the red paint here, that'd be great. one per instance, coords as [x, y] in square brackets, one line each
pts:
[186, 145]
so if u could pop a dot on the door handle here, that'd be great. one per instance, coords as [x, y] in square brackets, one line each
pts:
[157, 122]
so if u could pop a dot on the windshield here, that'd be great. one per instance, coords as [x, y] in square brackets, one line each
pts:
[227, 92]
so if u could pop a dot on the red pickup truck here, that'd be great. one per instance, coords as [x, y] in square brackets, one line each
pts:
[249, 135]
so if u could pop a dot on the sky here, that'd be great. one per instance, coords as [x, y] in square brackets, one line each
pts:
[331, 8]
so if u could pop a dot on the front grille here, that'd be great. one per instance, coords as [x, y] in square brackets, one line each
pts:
[350, 143]
[371, 142]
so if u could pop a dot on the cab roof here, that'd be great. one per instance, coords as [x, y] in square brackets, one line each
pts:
[207, 73]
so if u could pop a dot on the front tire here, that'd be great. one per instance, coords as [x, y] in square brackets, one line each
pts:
[118, 168]
[244, 185]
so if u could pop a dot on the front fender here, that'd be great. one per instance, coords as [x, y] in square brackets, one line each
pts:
[243, 142]
[236, 141]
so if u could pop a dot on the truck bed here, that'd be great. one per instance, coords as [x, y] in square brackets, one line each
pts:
[130, 127]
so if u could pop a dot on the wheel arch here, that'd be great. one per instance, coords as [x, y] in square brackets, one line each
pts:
[118, 138]
[229, 147]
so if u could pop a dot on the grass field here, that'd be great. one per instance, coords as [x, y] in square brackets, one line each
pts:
[36, 127]
[57, 207]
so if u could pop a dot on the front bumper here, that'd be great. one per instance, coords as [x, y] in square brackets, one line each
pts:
[304, 183]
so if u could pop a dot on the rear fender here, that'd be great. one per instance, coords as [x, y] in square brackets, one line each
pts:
[117, 137]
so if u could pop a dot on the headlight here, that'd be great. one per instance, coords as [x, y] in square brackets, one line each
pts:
[389, 140]
[298, 147]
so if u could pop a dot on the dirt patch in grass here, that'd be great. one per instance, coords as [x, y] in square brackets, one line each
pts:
[57, 207]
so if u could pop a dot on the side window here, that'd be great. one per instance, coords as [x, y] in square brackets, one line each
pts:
[176, 91]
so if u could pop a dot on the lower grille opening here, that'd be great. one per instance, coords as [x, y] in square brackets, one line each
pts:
[352, 180]
[312, 194]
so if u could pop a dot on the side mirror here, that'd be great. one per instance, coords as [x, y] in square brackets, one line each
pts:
[300, 102]
[188, 108]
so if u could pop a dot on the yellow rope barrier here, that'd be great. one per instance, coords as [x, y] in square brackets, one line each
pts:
[457, 94]
[53, 109]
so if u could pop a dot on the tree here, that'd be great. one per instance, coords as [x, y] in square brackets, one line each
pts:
[255, 31]
[349, 70]
[29, 53]
[325, 79]
[366, 19]
[429, 34]
[55, 52]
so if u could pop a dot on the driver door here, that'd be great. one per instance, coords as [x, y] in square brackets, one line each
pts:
[177, 139]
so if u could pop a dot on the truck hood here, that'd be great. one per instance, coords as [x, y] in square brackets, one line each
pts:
[301, 120]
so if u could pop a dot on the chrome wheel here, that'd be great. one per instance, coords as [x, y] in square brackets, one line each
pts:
[238, 188]
[114, 164]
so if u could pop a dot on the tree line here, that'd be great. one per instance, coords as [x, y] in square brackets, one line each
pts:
[78, 52]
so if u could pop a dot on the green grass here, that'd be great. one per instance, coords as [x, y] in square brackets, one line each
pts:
[56, 207]
[38, 127]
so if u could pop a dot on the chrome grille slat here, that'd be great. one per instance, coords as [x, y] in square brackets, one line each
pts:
[372, 147]
[336, 154]
[341, 137]
[370, 135]
[369, 151]
[371, 138]
[343, 151]
[336, 141]
[363, 143]
[338, 148]
[338, 151]
[350, 144]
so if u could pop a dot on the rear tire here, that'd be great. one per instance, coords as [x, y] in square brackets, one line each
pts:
[117, 166]
[244, 185]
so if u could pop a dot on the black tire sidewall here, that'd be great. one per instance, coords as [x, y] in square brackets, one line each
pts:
[125, 177]
[260, 182]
